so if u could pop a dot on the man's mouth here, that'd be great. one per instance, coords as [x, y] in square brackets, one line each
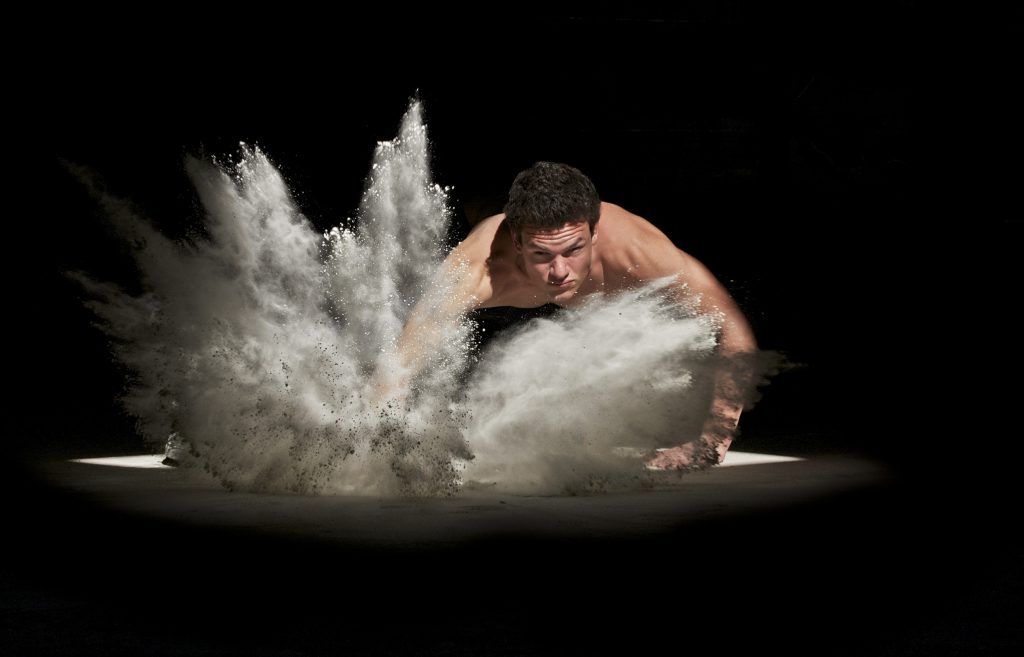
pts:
[566, 283]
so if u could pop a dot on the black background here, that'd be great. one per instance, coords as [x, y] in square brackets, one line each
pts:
[797, 153]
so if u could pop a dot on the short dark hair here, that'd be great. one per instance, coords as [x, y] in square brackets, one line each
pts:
[549, 195]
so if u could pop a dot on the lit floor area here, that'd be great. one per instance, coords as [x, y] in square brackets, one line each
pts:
[155, 460]
[745, 482]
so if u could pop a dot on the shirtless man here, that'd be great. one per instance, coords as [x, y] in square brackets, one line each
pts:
[556, 242]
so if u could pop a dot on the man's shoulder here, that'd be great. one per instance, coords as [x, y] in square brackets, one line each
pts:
[481, 237]
[635, 247]
[627, 231]
[480, 257]
[624, 220]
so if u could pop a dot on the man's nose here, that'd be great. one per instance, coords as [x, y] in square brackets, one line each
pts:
[559, 268]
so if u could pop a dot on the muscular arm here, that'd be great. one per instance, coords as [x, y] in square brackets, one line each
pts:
[456, 288]
[732, 373]
[650, 254]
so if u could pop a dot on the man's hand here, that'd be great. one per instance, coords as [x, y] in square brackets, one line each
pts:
[695, 455]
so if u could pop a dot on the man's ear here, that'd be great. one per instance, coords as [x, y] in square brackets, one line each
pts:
[516, 242]
[593, 234]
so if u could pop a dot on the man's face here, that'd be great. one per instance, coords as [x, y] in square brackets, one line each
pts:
[557, 261]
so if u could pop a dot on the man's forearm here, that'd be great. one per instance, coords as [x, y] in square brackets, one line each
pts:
[732, 379]
[430, 325]
[726, 407]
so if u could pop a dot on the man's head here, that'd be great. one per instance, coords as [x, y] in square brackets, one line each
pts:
[552, 213]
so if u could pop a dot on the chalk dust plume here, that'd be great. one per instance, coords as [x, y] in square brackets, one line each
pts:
[263, 344]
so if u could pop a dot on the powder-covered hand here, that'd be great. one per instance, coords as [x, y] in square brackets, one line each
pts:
[694, 455]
